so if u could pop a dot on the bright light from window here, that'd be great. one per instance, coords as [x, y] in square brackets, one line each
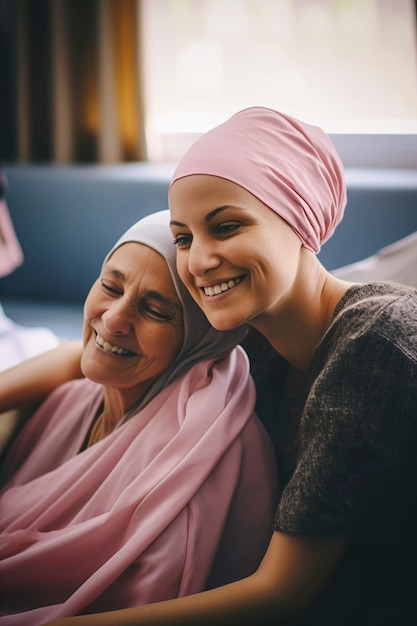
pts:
[347, 65]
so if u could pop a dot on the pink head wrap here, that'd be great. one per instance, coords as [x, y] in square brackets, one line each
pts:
[290, 166]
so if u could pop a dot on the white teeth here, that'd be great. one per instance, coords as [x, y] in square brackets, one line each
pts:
[216, 289]
[109, 347]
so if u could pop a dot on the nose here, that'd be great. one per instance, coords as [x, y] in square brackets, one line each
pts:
[117, 319]
[202, 257]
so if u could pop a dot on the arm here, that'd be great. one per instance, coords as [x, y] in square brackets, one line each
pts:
[293, 572]
[29, 382]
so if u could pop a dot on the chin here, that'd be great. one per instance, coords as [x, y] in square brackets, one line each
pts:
[89, 368]
[224, 323]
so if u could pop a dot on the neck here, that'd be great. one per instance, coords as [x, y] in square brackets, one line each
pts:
[112, 410]
[298, 321]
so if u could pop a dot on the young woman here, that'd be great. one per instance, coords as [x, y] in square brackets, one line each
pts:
[251, 203]
[151, 477]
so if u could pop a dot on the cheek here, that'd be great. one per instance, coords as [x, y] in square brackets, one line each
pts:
[182, 267]
[96, 304]
[174, 341]
[88, 315]
[90, 303]
[87, 332]
[159, 341]
[171, 344]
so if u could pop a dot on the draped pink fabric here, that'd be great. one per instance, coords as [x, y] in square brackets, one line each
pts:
[291, 166]
[137, 517]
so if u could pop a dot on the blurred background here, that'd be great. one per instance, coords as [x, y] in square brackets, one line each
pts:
[110, 81]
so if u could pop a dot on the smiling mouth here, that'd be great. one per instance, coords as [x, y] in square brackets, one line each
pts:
[108, 347]
[214, 290]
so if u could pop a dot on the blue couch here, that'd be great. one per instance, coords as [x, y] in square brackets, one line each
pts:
[67, 218]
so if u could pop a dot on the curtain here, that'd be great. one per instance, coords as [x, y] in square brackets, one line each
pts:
[71, 81]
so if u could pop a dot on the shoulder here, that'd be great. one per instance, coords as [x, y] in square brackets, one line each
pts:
[229, 372]
[72, 396]
[377, 298]
[365, 368]
[382, 313]
[78, 388]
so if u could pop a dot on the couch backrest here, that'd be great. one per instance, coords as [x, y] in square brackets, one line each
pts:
[68, 217]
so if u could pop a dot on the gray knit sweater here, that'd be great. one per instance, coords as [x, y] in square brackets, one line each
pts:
[347, 449]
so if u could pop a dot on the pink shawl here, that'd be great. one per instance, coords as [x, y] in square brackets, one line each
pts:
[137, 517]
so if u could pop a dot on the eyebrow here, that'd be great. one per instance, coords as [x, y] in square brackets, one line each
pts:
[207, 218]
[115, 272]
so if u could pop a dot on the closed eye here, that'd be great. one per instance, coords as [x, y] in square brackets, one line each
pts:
[161, 315]
[158, 307]
[110, 289]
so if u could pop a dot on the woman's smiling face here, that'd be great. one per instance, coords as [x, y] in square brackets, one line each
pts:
[236, 256]
[133, 323]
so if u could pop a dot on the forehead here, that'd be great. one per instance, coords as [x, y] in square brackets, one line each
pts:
[201, 197]
[139, 263]
[204, 190]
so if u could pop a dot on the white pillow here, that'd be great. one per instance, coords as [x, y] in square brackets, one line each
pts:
[396, 262]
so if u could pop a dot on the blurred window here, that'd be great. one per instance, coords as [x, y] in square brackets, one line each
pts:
[349, 66]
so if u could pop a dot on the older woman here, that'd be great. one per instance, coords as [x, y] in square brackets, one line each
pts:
[149, 479]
